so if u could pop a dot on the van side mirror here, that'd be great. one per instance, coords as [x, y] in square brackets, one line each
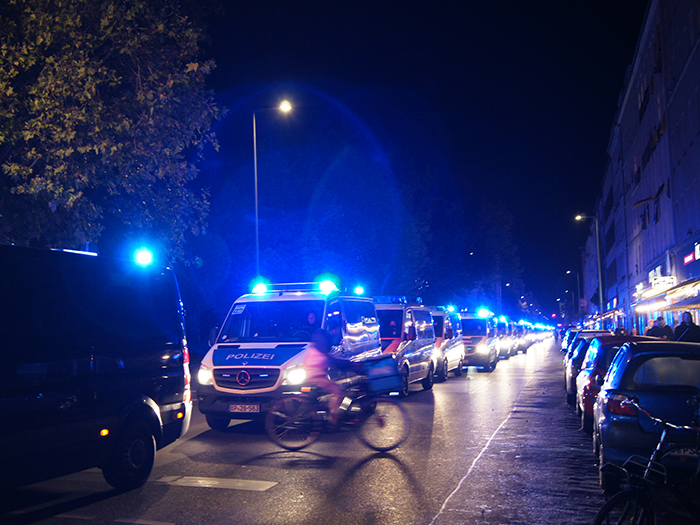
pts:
[212, 335]
[411, 333]
[449, 334]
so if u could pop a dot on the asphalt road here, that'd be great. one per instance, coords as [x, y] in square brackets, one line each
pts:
[499, 448]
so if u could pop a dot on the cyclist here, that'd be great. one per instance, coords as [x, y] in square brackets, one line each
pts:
[316, 363]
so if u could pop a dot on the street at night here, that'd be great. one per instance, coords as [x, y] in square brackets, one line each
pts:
[484, 448]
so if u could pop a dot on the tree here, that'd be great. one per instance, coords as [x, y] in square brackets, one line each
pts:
[103, 117]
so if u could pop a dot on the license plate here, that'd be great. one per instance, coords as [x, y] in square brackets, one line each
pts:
[685, 452]
[244, 408]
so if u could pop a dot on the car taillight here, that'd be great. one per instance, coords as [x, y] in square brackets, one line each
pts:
[620, 406]
[186, 355]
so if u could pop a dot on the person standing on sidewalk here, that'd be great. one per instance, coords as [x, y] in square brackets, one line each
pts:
[687, 331]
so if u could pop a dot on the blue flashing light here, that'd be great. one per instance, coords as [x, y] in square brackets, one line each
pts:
[483, 312]
[143, 256]
[359, 290]
[502, 319]
[327, 286]
[260, 288]
[450, 308]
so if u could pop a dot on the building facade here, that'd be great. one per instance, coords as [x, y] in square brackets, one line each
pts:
[649, 210]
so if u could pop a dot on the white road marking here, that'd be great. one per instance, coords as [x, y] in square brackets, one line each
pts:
[217, 483]
[476, 459]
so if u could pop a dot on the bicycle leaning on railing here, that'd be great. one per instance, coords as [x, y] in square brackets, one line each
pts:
[648, 484]
[301, 416]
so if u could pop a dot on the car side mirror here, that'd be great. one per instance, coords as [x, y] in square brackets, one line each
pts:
[411, 333]
[599, 380]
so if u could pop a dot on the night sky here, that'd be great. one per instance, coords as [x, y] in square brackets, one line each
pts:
[507, 101]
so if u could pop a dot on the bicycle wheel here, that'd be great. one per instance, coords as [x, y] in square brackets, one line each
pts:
[386, 424]
[629, 507]
[291, 423]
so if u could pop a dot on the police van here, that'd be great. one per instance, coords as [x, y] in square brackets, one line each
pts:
[478, 335]
[448, 342]
[95, 366]
[407, 333]
[259, 351]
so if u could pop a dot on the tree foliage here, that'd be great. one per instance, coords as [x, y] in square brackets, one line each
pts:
[103, 116]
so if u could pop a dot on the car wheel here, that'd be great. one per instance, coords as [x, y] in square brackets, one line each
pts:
[460, 367]
[404, 382]
[442, 372]
[596, 441]
[428, 381]
[586, 423]
[217, 422]
[132, 456]
[570, 398]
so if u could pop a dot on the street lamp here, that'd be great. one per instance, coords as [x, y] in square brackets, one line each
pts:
[600, 268]
[284, 107]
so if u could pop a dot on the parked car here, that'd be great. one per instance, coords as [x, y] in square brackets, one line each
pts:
[406, 330]
[600, 353]
[448, 343]
[574, 358]
[259, 351]
[664, 377]
[95, 367]
[567, 338]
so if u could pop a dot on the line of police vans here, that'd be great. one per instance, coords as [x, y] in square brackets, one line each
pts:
[258, 353]
[96, 364]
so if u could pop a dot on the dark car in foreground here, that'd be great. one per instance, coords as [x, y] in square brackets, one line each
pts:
[664, 377]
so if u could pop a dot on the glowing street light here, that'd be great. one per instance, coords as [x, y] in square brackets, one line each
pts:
[284, 107]
[600, 267]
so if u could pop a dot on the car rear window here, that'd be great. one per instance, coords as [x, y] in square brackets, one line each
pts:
[667, 371]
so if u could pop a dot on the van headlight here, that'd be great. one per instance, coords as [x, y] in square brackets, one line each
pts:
[482, 349]
[295, 376]
[205, 376]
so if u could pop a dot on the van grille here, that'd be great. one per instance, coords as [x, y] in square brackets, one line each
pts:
[242, 378]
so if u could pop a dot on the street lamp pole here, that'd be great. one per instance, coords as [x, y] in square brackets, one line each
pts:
[578, 291]
[284, 107]
[600, 268]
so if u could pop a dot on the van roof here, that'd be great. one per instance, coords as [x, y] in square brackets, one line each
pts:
[298, 296]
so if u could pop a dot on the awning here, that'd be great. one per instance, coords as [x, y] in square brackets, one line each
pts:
[687, 304]
[684, 296]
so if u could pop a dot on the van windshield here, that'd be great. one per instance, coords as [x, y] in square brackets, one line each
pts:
[474, 326]
[390, 323]
[272, 321]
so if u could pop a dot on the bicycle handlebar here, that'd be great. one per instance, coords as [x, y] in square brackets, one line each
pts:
[633, 400]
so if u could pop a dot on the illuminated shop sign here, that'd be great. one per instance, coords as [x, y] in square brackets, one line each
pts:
[692, 256]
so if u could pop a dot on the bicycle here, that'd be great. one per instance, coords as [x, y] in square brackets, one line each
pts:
[299, 417]
[647, 480]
